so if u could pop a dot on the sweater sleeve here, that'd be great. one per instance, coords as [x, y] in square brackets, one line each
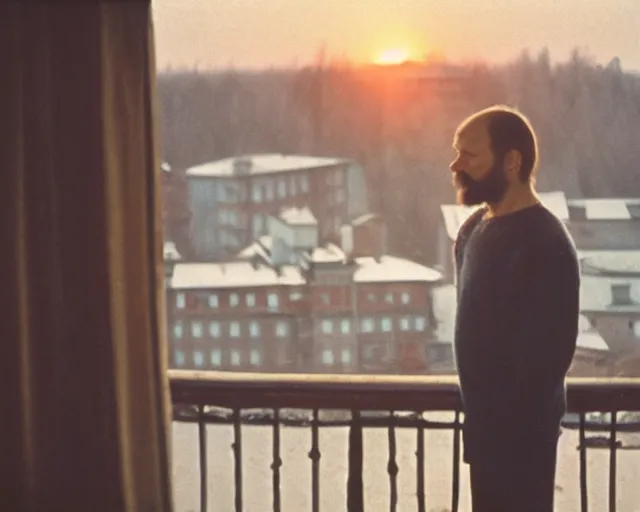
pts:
[548, 319]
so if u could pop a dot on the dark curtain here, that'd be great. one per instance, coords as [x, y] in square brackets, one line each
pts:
[84, 396]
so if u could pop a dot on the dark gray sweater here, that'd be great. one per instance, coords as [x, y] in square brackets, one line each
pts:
[518, 281]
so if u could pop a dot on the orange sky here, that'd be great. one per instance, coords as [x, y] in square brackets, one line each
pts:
[259, 33]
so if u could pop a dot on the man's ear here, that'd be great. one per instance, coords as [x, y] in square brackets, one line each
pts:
[513, 162]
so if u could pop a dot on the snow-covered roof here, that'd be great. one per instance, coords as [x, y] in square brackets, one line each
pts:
[330, 253]
[444, 310]
[264, 164]
[606, 208]
[261, 247]
[620, 261]
[455, 215]
[298, 217]
[390, 269]
[236, 274]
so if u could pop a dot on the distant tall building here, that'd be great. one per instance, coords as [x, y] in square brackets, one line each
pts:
[232, 199]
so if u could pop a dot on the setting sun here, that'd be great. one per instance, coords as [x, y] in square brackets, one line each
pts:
[392, 56]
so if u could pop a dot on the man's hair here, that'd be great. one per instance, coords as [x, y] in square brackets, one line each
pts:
[509, 130]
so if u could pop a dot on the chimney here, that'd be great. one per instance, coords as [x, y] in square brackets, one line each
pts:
[242, 165]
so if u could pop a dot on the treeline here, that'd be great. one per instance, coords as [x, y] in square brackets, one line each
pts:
[587, 117]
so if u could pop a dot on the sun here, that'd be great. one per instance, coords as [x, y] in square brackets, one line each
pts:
[393, 56]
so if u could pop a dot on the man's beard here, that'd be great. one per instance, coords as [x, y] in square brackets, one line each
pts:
[490, 189]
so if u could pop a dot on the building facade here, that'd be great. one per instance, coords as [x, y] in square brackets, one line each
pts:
[232, 199]
[283, 307]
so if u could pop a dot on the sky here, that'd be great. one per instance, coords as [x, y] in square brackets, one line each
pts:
[281, 33]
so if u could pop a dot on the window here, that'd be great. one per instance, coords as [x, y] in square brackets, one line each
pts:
[295, 296]
[421, 323]
[177, 330]
[345, 356]
[327, 326]
[367, 325]
[254, 329]
[345, 325]
[216, 357]
[268, 190]
[292, 186]
[405, 297]
[256, 190]
[178, 358]
[214, 329]
[304, 183]
[282, 188]
[386, 324]
[255, 357]
[181, 302]
[234, 329]
[250, 300]
[196, 329]
[213, 301]
[621, 294]
[636, 328]
[235, 358]
[327, 357]
[371, 297]
[326, 300]
[234, 300]
[282, 329]
[388, 298]
[198, 359]
[405, 324]
[272, 301]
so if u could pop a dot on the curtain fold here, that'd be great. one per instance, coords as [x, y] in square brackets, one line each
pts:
[84, 398]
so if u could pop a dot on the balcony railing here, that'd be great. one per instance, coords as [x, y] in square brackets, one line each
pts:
[369, 402]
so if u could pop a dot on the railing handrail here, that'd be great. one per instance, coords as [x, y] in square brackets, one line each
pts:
[371, 392]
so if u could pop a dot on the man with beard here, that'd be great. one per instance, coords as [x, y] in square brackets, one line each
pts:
[518, 281]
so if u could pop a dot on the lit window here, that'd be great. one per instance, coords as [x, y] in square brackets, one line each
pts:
[345, 356]
[405, 324]
[234, 300]
[367, 325]
[388, 298]
[405, 298]
[235, 357]
[234, 329]
[177, 330]
[421, 323]
[386, 325]
[178, 357]
[213, 300]
[216, 357]
[214, 329]
[327, 357]
[254, 329]
[250, 300]
[198, 359]
[327, 326]
[272, 301]
[255, 357]
[196, 329]
[282, 329]
[180, 301]
[345, 326]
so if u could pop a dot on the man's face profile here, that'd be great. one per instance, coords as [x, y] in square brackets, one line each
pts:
[477, 175]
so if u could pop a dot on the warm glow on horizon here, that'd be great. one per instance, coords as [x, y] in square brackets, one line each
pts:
[393, 56]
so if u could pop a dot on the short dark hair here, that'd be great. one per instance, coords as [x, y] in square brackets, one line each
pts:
[509, 130]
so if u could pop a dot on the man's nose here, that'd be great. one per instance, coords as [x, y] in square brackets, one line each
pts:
[454, 166]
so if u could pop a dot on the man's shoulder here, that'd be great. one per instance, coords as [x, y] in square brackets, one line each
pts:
[471, 222]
